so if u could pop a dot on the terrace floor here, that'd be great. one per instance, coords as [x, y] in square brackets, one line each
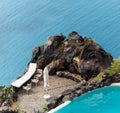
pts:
[35, 98]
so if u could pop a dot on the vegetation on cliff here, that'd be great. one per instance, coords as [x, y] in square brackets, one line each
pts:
[6, 95]
[112, 70]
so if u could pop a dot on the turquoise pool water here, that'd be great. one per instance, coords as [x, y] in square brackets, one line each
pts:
[104, 100]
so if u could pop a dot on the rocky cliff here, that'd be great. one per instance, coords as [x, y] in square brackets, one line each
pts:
[73, 54]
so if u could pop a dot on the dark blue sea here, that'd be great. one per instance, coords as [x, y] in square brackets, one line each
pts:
[25, 24]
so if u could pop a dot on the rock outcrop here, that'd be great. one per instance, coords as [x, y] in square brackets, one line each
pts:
[74, 54]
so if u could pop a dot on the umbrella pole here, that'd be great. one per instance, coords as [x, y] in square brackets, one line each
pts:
[46, 95]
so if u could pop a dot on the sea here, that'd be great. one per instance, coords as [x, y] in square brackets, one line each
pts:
[25, 24]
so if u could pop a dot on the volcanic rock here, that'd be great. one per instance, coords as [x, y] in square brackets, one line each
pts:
[74, 54]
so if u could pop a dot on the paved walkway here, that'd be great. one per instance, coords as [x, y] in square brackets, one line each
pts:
[35, 99]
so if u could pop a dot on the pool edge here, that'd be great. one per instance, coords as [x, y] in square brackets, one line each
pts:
[115, 84]
[59, 107]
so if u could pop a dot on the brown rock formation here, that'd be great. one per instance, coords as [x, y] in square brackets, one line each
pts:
[75, 54]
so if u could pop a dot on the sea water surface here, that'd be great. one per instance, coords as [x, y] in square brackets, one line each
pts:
[25, 24]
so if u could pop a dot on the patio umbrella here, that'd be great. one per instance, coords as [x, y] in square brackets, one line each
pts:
[46, 82]
[46, 77]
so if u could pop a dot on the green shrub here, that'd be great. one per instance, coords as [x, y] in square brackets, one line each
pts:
[113, 69]
[6, 93]
[36, 111]
[44, 107]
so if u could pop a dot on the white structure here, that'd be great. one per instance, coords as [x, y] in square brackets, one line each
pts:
[46, 82]
[115, 84]
[31, 70]
[59, 107]
[46, 77]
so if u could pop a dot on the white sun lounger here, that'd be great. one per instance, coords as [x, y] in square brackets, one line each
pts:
[31, 70]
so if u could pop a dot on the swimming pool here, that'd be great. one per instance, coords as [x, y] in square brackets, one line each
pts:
[103, 100]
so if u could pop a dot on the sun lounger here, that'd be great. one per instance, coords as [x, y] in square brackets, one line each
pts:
[31, 70]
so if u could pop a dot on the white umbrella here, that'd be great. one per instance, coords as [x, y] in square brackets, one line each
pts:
[46, 77]
[46, 82]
